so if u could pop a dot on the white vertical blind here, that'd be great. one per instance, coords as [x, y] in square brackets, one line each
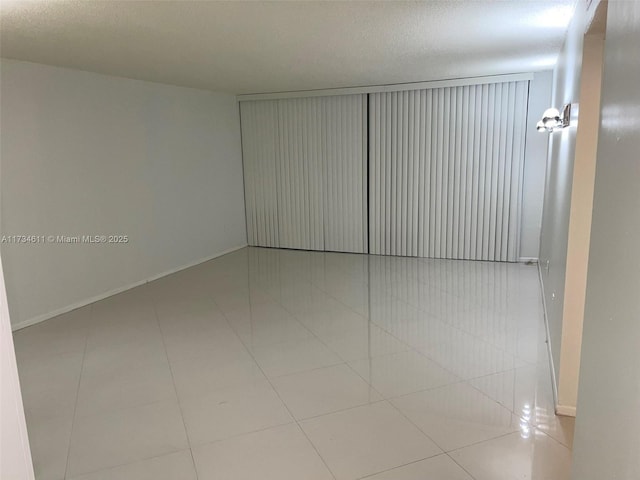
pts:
[259, 153]
[305, 172]
[445, 171]
[345, 174]
[299, 165]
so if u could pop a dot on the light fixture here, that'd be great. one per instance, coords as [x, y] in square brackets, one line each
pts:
[553, 120]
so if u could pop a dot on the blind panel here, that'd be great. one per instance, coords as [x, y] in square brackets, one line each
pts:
[445, 171]
[345, 180]
[259, 153]
[305, 172]
[299, 166]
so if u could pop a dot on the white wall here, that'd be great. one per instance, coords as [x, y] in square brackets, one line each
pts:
[15, 453]
[607, 434]
[559, 176]
[535, 166]
[84, 153]
[568, 197]
[580, 219]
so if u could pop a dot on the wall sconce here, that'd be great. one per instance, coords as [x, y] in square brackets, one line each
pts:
[553, 120]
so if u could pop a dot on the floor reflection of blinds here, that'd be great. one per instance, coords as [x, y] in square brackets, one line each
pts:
[445, 170]
[305, 172]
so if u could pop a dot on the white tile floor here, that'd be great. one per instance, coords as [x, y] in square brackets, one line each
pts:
[275, 364]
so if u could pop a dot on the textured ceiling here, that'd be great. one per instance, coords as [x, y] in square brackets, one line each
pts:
[251, 47]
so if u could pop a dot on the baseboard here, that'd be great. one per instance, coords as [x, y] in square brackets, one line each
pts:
[528, 259]
[193, 264]
[554, 383]
[115, 291]
[566, 410]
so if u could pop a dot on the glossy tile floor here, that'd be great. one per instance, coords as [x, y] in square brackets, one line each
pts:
[275, 365]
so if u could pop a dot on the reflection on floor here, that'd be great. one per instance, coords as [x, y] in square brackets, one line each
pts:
[274, 365]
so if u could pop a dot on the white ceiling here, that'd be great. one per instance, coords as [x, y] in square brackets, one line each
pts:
[254, 47]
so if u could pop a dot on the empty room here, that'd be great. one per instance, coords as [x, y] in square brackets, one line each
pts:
[319, 240]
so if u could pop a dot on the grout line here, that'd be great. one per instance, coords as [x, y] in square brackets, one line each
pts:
[443, 323]
[530, 422]
[480, 441]
[369, 475]
[411, 348]
[416, 426]
[418, 461]
[388, 399]
[537, 429]
[173, 380]
[461, 466]
[368, 317]
[424, 390]
[345, 362]
[278, 301]
[265, 375]
[243, 434]
[342, 410]
[75, 406]
[118, 410]
[385, 399]
[552, 369]
[314, 369]
[400, 466]
[120, 465]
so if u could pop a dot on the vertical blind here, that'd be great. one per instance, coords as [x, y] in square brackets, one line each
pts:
[445, 171]
[305, 172]
[259, 152]
[436, 173]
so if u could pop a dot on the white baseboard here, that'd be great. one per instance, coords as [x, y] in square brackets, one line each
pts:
[554, 383]
[566, 410]
[59, 311]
